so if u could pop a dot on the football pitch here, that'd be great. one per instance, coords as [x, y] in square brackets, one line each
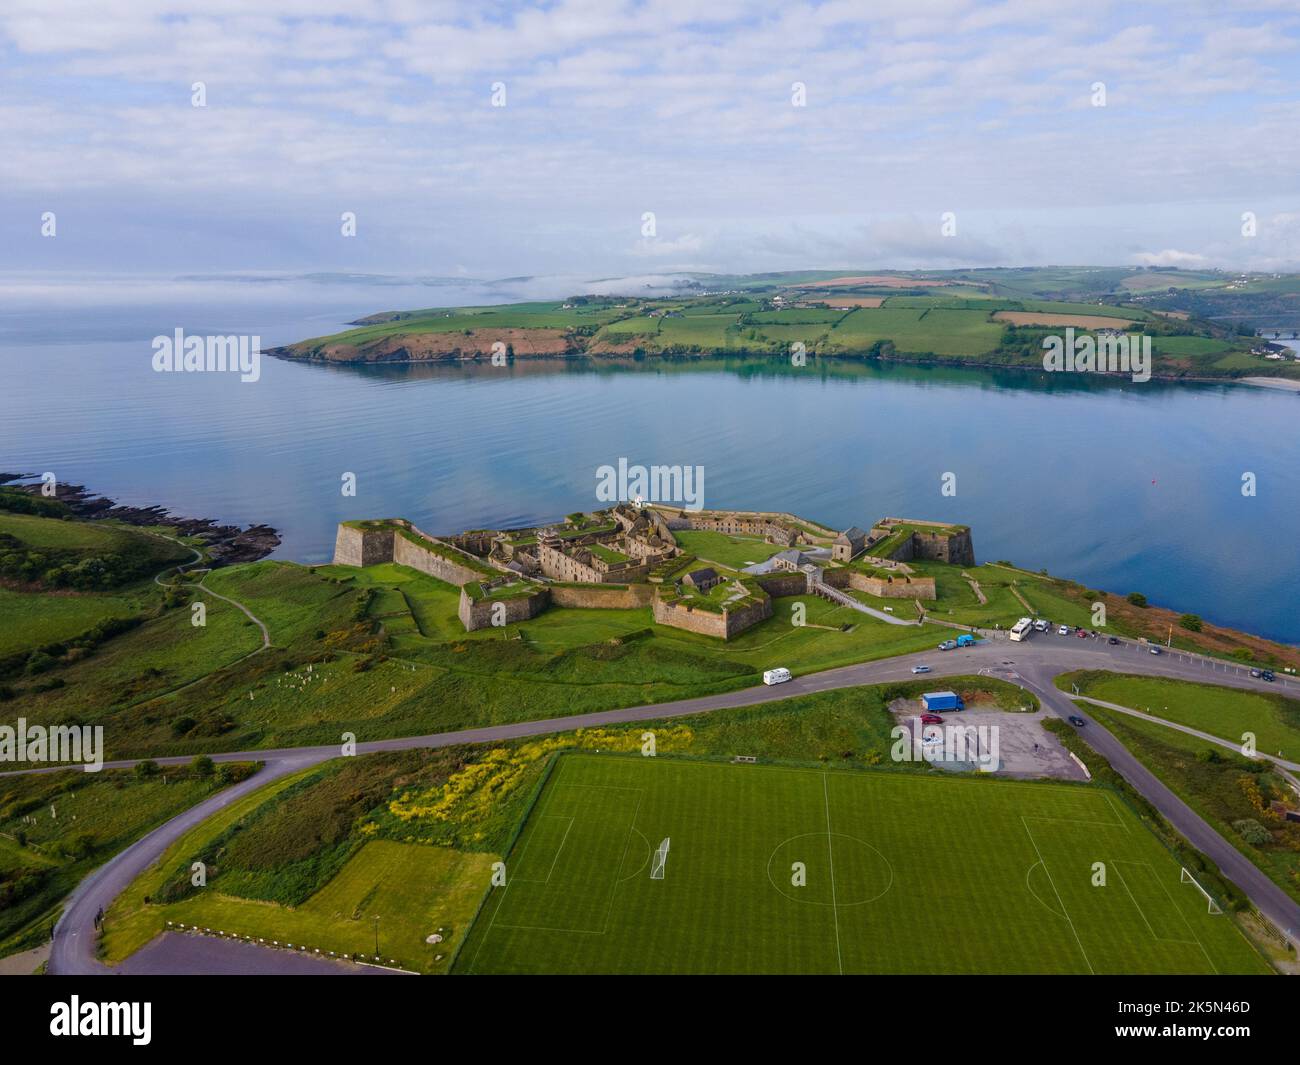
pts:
[785, 870]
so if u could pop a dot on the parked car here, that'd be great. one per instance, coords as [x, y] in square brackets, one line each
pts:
[920, 669]
[947, 645]
[931, 719]
[1256, 673]
[1042, 626]
[1064, 630]
[1112, 641]
[1267, 675]
[1154, 649]
[1081, 634]
[1077, 721]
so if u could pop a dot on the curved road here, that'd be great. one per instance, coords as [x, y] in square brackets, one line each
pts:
[1033, 664]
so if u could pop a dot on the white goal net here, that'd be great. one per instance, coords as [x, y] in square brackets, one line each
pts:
[1187, 878]
[661, 859]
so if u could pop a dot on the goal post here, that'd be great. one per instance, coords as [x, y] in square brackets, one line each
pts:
[1187, 878]
[661, 859]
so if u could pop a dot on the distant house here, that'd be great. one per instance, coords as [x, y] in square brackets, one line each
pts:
[702, 579]
[850, 543]
[791, 559]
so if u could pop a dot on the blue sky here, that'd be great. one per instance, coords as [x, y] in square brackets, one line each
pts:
[384, 108]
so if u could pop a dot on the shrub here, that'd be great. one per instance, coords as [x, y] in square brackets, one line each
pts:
[146, 770]
[202, 766]
[1252, 831]
[1191, 622]
[1136, 598]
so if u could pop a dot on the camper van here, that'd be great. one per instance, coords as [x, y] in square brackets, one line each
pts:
[776, 676]
[1022, 628]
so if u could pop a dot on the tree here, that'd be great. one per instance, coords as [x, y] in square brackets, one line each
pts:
[1136, 598]
[202, 766]
[146, 770]
[1191, 622]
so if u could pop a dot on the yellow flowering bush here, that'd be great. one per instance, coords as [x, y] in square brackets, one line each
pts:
[471, 794]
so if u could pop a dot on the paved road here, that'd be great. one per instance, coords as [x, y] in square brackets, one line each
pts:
[1033, 664]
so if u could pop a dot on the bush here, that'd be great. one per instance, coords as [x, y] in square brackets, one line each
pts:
[1191, 622]
[1252, 831]
[1136, 598]
[40, 662]
[146, 770]
[202, 766]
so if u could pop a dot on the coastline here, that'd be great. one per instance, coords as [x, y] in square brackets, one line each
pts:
[1289, 384]
[226, 545]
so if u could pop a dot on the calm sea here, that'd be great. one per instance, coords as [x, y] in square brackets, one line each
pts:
[1122, 486]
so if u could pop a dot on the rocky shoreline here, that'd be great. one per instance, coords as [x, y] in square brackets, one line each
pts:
[226, 545]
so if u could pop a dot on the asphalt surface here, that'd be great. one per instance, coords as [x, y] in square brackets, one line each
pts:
[1032, 663]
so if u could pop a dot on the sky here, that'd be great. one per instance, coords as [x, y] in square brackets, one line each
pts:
[603, 138]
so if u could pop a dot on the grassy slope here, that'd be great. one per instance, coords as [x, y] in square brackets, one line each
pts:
[941, 324]
[113, 808]
[1223, 712]
[1212, 788]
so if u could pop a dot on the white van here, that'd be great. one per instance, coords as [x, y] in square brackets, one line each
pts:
[776, 676]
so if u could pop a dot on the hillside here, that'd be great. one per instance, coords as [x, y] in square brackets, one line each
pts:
[1200, 324]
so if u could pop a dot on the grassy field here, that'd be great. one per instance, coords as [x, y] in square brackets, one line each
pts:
[55, 828]
[48, 618]
[1223, 712]
[1228, 791]
[736, 552]
[904, 873]
[413, 891]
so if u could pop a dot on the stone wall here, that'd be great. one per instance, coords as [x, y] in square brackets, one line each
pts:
[900, 587]
[955, 548]
[362, 547]
[602, 596]
[723, 625]
[409, 553]
[479, 613]
[784, 583]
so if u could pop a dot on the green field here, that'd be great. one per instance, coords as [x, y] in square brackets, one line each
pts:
[736, 552]
[1224, 712]
[56, 827]
[904, 874]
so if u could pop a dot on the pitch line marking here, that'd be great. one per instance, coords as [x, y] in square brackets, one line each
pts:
[648, 851]
[830, 853]
[1189, 926]
[1117, 862]
[613, 888]
[528, 842]
[1037, 898]
[1034, 843]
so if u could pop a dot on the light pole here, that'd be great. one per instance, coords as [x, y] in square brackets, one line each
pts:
[376, 919]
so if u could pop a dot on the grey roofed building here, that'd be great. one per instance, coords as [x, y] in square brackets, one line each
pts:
[703, 579]
[850, 542]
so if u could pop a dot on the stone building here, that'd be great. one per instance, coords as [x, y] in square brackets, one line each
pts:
[849, 544]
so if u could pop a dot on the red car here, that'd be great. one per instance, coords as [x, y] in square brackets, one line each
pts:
[1081, 633]
[931, 719]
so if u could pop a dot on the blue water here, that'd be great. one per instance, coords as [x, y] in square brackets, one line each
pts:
[1121, 486]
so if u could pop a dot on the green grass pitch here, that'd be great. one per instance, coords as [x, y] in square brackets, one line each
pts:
[904, 874]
